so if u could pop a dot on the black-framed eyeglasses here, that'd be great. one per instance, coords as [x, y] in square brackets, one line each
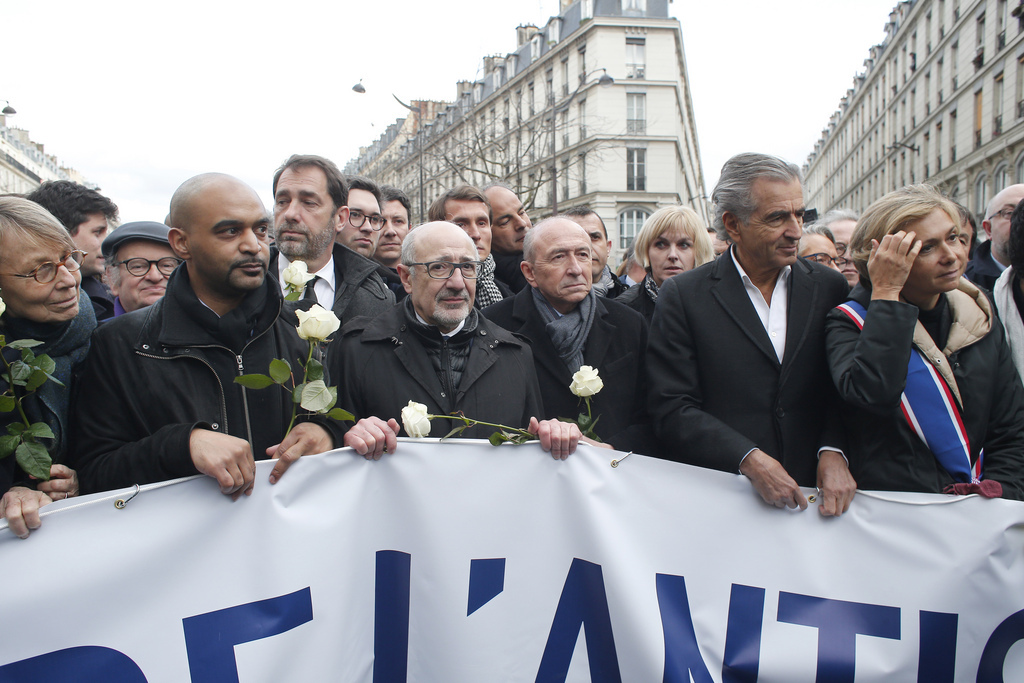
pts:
[140, 267]
[841, 248]
[44, 273]
[1005, 214]
[442, 270]
[824, 259]
[357, 218]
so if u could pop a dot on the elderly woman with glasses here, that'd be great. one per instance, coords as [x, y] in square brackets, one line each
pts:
[40, 284]
[672, 241]
[933, 401]
[818, 244]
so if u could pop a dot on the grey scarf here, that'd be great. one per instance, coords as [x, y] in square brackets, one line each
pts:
[602, 286]
[487, 292]
[568, 332]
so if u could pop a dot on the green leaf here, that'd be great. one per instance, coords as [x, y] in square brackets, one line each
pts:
[584, 422]
[314, 370]
[20, 372]
[28, 356]
[297, 393]
[255, 381]
[8, 444]
[318, 397]
[45, 363]
[292, 296]
[35, 380]
[280, 370]
[15, 428]
[33, 458]
[54, 380]
[339, 414]
[497, 438]
[457, 430]
[24, 344]
[40, 430]
[7, 403]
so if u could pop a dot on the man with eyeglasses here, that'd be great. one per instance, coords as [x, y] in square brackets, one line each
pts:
[436, 349]
[311, 198]
[992, 257]
[365, 220]
[569, 325]
[818, 244]
[139, 261]
[842, 222]
[157, 398]
[737, 375]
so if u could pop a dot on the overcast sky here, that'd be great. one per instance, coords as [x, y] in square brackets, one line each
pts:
[140, 96]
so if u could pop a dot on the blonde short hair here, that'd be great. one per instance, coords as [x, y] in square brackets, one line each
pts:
[24, 219]
[892, 213]
[667, 218]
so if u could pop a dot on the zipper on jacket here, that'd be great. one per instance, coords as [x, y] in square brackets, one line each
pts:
[245, 405]
[223, 400]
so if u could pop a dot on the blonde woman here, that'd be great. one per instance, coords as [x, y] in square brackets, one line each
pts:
[933, 401]
[672, 241]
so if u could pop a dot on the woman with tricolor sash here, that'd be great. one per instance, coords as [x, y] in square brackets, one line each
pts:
[933, 399]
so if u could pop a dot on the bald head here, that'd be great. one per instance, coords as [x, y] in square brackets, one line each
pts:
[188, 196]
[430, 231]
[547, 230]
[997, 226]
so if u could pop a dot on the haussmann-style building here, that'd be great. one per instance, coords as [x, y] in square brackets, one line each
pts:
[592, 108]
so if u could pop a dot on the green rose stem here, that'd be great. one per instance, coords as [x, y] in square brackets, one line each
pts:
[469, 422]
[305, 374]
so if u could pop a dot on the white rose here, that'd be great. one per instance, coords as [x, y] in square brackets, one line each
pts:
[317, 324]
[586, 382]
[415, 420]
[296, 275]
[3, 307]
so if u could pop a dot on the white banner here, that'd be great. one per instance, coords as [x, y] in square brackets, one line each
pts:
[463, 562]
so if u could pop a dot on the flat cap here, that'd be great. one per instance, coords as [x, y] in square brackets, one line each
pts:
[138, 230]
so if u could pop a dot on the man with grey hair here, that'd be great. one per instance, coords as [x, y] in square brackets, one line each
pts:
[992, 257]
[435, 348]
[138, 261]
[736, 363]
[569, 325]
[842, 223]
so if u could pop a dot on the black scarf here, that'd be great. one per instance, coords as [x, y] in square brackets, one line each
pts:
[234, 328]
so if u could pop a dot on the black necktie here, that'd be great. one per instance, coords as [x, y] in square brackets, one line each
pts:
[310, 294]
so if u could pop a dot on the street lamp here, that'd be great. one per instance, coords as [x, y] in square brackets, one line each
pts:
[358, 87]
[604, 81]
[419, 147]
[8, 110]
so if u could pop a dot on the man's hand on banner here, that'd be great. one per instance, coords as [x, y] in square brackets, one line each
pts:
[226, 458]
[372, 437]
[304, 439]
[20, 506]
[772, 481]
[836, 484]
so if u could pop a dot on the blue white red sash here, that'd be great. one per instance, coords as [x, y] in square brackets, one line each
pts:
[931, 411]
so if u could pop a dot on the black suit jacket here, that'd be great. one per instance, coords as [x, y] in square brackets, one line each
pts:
[615, 347]
[717, 389]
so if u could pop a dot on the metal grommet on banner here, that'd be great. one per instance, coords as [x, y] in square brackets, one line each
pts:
[814, 496]
[615, 463]
[121, 503]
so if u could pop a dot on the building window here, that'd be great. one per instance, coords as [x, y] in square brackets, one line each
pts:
[630, 222]
[565, 76]
[582, 161]
[535, 48]
[997, 105]
[636, 59]
[587, 10]
[981, 195]
[636, 114]
[1001, 178]
[636, 170]
[1020, 168]
[977, 119]
[634, 7]
[583, 119]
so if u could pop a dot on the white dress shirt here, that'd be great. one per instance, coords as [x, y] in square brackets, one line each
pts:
[324, 288]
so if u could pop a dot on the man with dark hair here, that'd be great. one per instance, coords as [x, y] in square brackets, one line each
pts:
[396, 209]
[508, 229]
[87, 216]
[605, 282]
[738, 378]
[157, 399]
[467, 207]
[569, 325]
[436, 349]
[362, 229]
[310, 206]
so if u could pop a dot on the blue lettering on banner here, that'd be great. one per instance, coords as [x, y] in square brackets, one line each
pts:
[682, 655]
[993, 657]
[391, 617]
[743, 635]
[839, 623]
[210, 638]
[583, 603]
[937, 653]
[88, 664]
[486, 580]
